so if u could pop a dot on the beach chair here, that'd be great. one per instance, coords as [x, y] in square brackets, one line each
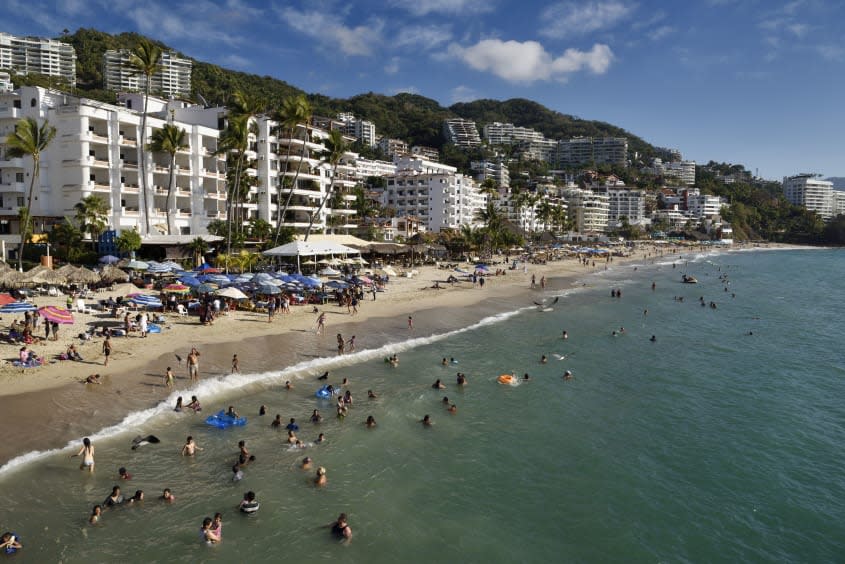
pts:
[181, 310]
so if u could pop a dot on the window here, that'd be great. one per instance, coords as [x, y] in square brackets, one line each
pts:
[20, 201]
[32, 103]
[18, 177]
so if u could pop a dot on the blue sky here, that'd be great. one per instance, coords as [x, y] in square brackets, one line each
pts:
[757, 82]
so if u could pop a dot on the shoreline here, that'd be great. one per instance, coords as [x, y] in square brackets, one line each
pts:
[136, 387]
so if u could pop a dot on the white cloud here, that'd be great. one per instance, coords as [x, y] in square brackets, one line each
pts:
[328, 29]
[36, 13]
[451, 7]
[392, 66]
[462, 93]
[236, 61]
[422, 37]
[566, 19]
[529, 61]
[661, 32]
[831, 52]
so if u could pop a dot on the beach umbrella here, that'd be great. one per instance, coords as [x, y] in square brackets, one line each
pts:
[157, 268]
[56, 314]
[145, 300]
[337, 284]
[205, 288]
[328, 271]
[17, 307]
[82, 275]
[112, 274]
[177, 289]
[189, 281]
[210, 270]
[136, 265]
[233, 293]
[173, 266]
[6, 299]
[268, 290]
[389, 271]
[109, 259]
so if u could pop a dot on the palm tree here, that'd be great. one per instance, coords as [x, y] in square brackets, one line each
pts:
[336, 147]
[29, 139]
[198, 248]
[169, 139]
[145, 59]
[92, 214]
[545, 213]
[65, 237]
[234, 140]
[295, 111]
[493, 221]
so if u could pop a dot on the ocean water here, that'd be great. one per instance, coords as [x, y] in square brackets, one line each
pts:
[708, 444]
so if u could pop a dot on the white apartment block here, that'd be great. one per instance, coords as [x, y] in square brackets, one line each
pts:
[625, 203]
[496, 170]
[433, 193]
[393, 148]
[461, 132]
[586, 150]
[362, 130]
[96, 151]
[702, 206]
[542, 150]
[811, 192]
[365, 168]
[589, 210]
[6, 82]
[173, 79]
[507, 134]
[684, 171]
[276, 160]
[38, 55]
[838, 203]
[427, 153]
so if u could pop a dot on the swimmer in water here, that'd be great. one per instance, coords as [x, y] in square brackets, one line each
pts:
[526, 376]
[116, 498]
[320, 438]
[653, 338]
[321, 479]
[462, 379]
[444, 362]
[438, 385]
[291, 437]
[316, 417]
[371, 394]
[341, 529]
[543, 359]
[277, 422]
[206, 532]
[217, 525]
[453, 409]
[426, 421]
[370, 422]
[138, 497]
[178, 407]
[124, 475]
[190, 447]
[565, 335]
[446, 400]
[87, 454]
[96, 513]
[306, 463]
[568, 375]
[167, 496]
[262, 410]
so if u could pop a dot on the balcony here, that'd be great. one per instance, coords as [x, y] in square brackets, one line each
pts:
[16, 162]
[183, 213]
[130, 188]
[131, 141]
[215, 195]
[132, 212]
[10, 112]
[13, 187]
[211, 214]
[98, 186]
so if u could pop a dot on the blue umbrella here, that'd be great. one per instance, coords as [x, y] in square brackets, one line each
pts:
[268, 290]
[337, 284]
[109, 259]
[189, 281]
[157, 268]
[17, 307]
[146, 300]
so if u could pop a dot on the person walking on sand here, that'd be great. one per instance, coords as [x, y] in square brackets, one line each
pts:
[87, 454]
[341, 344]
[321, 323]
[106, 350]
[236, 365]
[193, 362]
[410, 323]
[168, 378]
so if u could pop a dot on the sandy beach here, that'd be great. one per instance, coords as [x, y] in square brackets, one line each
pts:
[50, 405]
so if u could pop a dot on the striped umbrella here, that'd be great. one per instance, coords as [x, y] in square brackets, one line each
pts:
[137, 265]
[157, 268]
[109, 259]
[17, 307]
[56, 314]
[177, 289]
[146, 300]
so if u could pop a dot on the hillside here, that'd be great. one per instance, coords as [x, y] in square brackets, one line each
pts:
[413, 118]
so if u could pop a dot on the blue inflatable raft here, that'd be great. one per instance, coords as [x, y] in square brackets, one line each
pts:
[324, 392]
[223, 421]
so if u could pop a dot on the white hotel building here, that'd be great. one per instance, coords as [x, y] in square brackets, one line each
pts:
[627, 203]
[811, 192]
[96, 151]
[38, 55]
[172, 79]
[589, 210]
[434, 193]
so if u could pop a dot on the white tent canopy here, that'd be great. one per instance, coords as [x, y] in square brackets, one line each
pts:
[309, 249]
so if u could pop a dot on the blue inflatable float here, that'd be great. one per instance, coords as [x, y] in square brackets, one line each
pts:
[325, 392]
[153, 328]
[222, 421]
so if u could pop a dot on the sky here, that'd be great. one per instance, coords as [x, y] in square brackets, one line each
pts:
[754, 82]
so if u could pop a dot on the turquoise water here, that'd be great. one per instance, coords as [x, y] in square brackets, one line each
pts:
[707, 445]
